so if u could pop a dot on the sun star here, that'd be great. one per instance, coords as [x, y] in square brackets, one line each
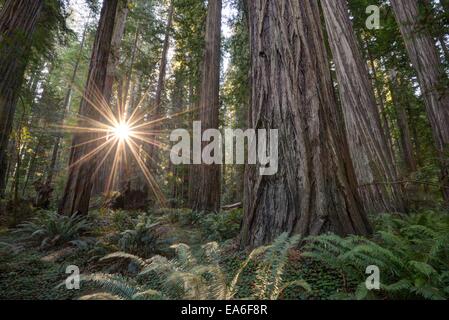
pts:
[122, 131]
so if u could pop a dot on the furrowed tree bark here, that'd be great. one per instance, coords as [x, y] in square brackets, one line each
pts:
[207, 198]
[368, 144]
[106, 179]
[424, 56]
[78, 188]
[315, 190]
[18, 20]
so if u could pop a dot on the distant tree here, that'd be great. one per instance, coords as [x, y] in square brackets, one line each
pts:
[433, 80]
[207, 197]
[373, 162]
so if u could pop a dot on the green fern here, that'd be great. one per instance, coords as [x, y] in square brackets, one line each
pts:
[50, 228]
[118, 287]
[411, 252]
[186, 277]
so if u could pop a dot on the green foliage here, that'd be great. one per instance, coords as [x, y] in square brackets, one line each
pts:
[26, 276]
[189, 277]
[269, 275]
[222, 226]
[411, 252]
[12, 212]
[182, 216]
[190, 217]
[143, 239]
[50, 228]
[118, 287]
[122, 220]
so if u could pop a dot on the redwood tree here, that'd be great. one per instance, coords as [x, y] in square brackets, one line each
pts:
[368, 145]
[424, 56]
[18, 19]
[78, 188]
[156, 110]
[208, 176]
[315, 190]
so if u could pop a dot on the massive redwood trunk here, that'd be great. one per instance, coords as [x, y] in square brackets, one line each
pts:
[208, 179]
[18, 20]
[315, 190]
[424, 56]
[79, 184]
[368, 145]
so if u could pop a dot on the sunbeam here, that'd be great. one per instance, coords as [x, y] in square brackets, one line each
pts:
[110, 134]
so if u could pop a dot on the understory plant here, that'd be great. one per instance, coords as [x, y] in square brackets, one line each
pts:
[144, 238]
[189, 277]
[49, 228]
[222, 226]
[411, 252]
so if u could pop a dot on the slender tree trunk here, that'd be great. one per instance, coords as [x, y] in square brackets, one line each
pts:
[124, 99]
[78, 189]
[444, 47]
[156, 111]
[163, 65]
[208, 196]
[18, 20]
[65, 110]
[315, 190]
[192, 168]
[19, 155]
[424, 56]
[372, 159]
[403, 124]
[381, 98]
[32, 164]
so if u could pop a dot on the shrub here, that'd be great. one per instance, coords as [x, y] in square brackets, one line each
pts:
[123, 220]
[411, 252]
[222, 226]
[51, 229]
[190, 217]
[143, 239]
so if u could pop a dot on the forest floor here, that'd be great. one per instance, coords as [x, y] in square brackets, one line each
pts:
[33, 262]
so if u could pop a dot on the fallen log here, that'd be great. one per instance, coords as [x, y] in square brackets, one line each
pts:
[238, 205]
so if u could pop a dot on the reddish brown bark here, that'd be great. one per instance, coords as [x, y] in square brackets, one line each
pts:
[18, 19]
[424, 56]
[208, 176]
[368, 145]
[315, 190]
[78, 188]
